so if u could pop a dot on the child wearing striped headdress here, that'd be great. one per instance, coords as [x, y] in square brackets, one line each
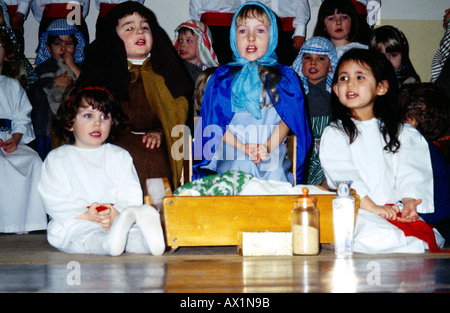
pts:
[315, 65]
[193, 43]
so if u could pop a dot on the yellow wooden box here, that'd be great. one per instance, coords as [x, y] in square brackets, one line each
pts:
[217, 220]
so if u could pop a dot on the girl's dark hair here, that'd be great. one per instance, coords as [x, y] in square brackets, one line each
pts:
[385, 107]
[81, 95]
[12, 62]
[428, 105]
[327, 8]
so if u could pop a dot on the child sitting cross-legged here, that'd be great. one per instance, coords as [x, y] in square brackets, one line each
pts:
[90, 188]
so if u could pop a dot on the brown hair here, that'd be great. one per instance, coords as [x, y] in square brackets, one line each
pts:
[200, 86]
[428, 105]
[81, 95]
[12, 61]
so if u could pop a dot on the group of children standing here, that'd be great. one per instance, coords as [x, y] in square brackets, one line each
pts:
[339, 97]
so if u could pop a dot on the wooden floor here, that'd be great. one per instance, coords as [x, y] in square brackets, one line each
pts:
[29, 264]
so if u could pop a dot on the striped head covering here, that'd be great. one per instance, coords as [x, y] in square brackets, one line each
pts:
[316, 45]
[246, 85]
[60, 27]
[205, 49]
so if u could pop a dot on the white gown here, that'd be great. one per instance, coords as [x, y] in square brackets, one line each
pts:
[21, 207]
[74, 178]
[384, 177]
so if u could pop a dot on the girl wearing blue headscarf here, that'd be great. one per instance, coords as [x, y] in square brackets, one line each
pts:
[315, 65]
[250, 105]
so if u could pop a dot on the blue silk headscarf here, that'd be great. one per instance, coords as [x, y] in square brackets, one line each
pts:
[217, 110]
[246, 85]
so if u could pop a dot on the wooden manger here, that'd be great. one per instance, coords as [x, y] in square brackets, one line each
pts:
[217, 220]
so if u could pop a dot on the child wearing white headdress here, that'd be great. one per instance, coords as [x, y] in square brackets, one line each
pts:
[315, 65]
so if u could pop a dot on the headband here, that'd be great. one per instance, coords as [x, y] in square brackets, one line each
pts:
[88, 88]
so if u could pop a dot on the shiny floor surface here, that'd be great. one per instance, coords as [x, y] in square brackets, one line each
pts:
[29, 264]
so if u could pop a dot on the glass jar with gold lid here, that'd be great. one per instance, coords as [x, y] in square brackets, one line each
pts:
[305, 225]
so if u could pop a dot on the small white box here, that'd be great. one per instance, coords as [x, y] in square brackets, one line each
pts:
[265, 243]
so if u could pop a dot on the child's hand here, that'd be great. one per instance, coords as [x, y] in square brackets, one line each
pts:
[70, 62]
[68, 59]
[152, 139]
[251, 149]
[409, 212]
[90, 214]
[263, 152]
[62, 80]
[10, 145]
[106, 214]
[388, 212]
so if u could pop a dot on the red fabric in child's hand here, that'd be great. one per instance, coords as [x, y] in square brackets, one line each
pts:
[101, 208]
[421, 230]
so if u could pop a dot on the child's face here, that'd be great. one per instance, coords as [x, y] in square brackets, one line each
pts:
[136, 35]
[338, 26]
[61, 46]
[187, 46]
[91, 127]
[394, 57]
[316, 67]
[357, 89]
[252, 38]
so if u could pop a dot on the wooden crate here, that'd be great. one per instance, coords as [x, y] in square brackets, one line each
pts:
[217, 220]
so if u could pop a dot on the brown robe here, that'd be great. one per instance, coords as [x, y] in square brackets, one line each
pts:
[152, 108]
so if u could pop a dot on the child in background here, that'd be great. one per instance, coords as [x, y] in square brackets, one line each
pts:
[315, 65]
[193, 43]
[21, 208]
[443, 52]
[252, 104]
[135, 58]
[393, 44]
[23, 71]
[387, 161]
[338, 21]
[90, 188]
[58, 62]
[426, 107]
[200, 86]
[10, 59]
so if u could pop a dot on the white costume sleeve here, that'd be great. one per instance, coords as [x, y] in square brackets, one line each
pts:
[301, 16]
[56, 191]
[414, 173]
[14, 105]
[337, 160]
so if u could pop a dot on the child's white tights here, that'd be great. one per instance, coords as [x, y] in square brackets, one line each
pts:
[135, 230]
[148, 222]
